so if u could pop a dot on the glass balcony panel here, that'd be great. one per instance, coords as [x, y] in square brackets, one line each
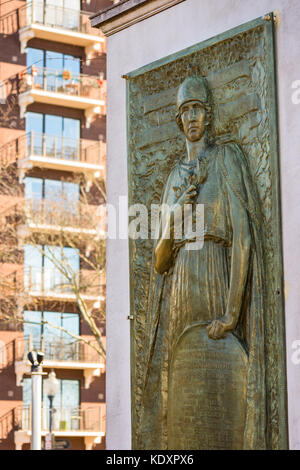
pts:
[32, 271]
[47, 280]
[33, 190]
[55, 281]
[65, 82]
[64, 418]
[64, 348]
[63, 212]
[53, 146]
[37, 74]
[33, 279]
[24, 416]
[34, 142]
[33, 145]
[71, 150]
[56, 147]
[34, 134]
[57, 16]
[37, 146]
[68, 415]
[52, 16]
[71, 419]
[32, 330]
[35, 12]
[71, 20]
[61, 350]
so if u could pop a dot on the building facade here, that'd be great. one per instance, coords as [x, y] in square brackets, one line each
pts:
[52, 165]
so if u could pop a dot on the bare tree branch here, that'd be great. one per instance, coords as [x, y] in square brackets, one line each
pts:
[49, 229]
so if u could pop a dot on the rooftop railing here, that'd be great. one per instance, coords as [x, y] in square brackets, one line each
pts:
[63, 82]
[65, 419]
[37, 12]
[59, 148]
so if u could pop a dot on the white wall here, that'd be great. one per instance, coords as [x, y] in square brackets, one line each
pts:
[170, 31]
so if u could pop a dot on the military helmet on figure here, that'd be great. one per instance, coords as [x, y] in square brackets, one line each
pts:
[194, 88]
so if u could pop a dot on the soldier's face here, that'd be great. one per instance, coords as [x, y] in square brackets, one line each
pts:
[193, 120]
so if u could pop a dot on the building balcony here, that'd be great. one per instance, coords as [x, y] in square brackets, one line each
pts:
[71, 217]
[59, 354]
[56, 153]
[55, 23]
[49, 284]
[49, 86]
[88, 423]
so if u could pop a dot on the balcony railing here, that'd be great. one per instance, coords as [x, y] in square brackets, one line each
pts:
[63, 82]
[60, 349]
[55, 215]
[51, 281]
[65, 419]
[63, 148]
[37, 12]
[63, 214]
[9, 23]
[34, 144]
[8, 423]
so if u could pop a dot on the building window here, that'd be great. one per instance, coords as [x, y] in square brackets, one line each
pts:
[51, 269]
[35, 327]
[42, 332]
[53, 71]
[66, 402]
[53, 136]
[53, 202]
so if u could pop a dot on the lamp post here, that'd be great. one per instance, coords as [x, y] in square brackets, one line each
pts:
[36, 359]
[51, 388]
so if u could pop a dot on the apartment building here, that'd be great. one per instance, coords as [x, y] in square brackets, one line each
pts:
[52, 137]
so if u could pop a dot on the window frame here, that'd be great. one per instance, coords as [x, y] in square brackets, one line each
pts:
[64, 54]
[43, 115]
[42, 325]
[44, 396]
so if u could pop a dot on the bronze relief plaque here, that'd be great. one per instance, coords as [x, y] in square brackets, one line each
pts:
[207, 335]
[213, 378]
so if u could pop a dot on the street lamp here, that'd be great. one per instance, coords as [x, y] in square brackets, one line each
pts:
[36, 359]
[51, 388]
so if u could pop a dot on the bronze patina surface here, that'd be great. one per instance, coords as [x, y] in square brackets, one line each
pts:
[208, 353]
[207, 393]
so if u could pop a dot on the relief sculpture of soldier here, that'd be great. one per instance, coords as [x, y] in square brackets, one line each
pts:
[204, 384]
